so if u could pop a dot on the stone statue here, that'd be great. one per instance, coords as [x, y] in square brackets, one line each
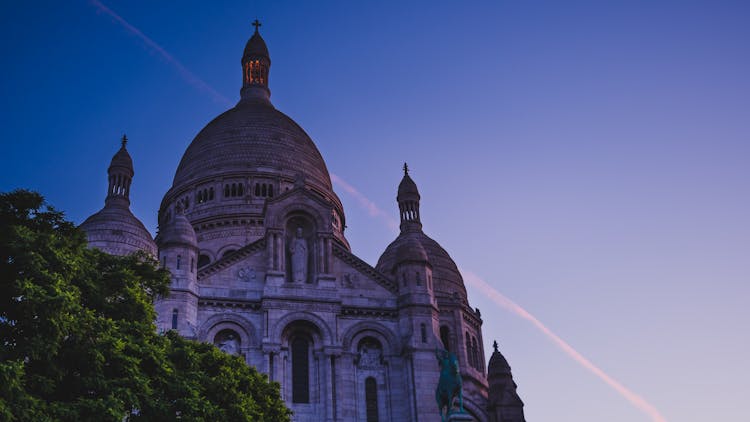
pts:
[229, 345]
[450, 386]
[298, 250]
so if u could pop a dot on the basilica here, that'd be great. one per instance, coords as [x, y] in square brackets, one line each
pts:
[254, 237]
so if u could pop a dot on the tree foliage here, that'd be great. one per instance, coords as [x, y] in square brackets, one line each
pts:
[78, 340]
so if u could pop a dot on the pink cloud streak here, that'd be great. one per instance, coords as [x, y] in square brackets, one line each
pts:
[513, 307]
[372, 209]
[187, 75]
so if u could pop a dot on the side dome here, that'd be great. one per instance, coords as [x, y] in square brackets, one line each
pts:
[115, 229]
[178, 231]
[446, 278]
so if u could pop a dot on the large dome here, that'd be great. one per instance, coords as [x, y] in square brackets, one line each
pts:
[252, 137]
[117, 231]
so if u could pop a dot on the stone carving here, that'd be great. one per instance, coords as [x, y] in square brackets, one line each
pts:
[228, 342]
[370, 355]
[298, 251]
[246, 274]
[349, 280]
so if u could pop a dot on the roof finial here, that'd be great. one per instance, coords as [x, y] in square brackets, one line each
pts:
[256, 24]
[124, 140]
[494, 344]
[406, 169]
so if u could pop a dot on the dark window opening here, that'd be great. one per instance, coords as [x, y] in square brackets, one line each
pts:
[203, 260]
[226, 191]
[300, 371]
[371, 399]
[174, 318]
[423, 329]
[445, 337]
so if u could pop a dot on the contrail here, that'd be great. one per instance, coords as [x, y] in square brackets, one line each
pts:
[477, 282]
[187, 75]
[513, 307]
[370, 206]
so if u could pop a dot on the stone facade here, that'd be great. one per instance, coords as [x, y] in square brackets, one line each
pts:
[253, 235]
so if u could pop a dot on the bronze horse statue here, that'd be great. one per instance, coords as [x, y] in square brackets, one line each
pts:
[450, 386]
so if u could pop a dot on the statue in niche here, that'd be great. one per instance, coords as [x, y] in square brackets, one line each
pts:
[298, 251]
[228, 343]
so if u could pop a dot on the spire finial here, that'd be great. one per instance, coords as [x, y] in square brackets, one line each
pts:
[406, 169]
[256, 24]
[494, 345]
[124, 140]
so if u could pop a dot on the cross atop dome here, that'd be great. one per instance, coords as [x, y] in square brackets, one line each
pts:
[124, 140]
[406, 169]
[256, 23]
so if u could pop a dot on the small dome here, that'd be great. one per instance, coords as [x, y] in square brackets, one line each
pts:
[498, 365]
[117, 231]
[179, 231]
[256, 47]
[122, 160]
[410, 250]
[445, 275]
[407, 189]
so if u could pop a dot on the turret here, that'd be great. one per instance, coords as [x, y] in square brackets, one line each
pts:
[178, 252]
[115, 229]
[503, 404]
[256, 64]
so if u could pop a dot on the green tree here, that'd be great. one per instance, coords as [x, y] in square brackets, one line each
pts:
[78, 341]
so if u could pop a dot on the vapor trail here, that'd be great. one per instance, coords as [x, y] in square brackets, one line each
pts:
[187, 75]
[477, 282]
[372, 209]
[513, 307]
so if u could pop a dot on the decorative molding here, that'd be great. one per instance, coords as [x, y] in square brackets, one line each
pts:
[232, 258]
[365, 268]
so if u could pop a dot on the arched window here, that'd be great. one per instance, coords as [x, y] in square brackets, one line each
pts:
[234, 189]
[226, 191]
[445, 337]
[257, 189]
[240, 189]
[470, 351]
[371, 399]
[270, 191]
[300, 370]
[203, 260]
[210, 194]
[475, 353]
[423, 330]
[175, 312]
[264, 190]
[179, 259]
[192, 265]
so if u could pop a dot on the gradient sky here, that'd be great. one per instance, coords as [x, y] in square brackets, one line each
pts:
[588, 159]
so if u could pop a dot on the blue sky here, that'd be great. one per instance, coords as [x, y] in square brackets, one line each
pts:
[590, 160]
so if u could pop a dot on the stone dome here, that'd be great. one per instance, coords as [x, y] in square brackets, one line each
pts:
[117, 231]
[445, 275]
[252, 137]
[179, 231]
[410, 250]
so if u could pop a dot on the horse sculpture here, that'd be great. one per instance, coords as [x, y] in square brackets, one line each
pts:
[450, 386]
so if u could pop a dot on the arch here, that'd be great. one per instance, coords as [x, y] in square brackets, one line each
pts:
[289, 320]
[354, 334]
[478, 412]
[226, 249]
[286, 212]
[218, 322]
